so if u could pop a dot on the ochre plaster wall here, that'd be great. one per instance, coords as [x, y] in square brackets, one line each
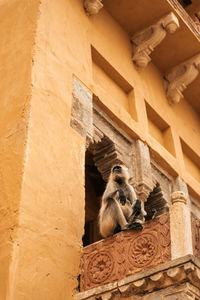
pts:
[46, 208]
[17, 32]
[46, 263]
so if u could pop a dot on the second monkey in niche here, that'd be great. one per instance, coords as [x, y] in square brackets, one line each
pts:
[120, 208]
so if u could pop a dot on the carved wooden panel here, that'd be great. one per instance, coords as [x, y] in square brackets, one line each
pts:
[126, 253]
[196, 235]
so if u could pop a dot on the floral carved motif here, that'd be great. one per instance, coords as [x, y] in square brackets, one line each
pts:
[100, 267]
[142, 250]
[126, 253]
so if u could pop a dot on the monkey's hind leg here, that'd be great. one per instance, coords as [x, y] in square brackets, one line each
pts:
[119, 215]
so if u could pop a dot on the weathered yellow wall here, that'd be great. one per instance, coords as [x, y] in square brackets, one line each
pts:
[17, 31]
[46, 263]
[46, 208]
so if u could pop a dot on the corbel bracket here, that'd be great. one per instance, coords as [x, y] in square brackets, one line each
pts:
[146, 40]
[179, 77]
[92, 7]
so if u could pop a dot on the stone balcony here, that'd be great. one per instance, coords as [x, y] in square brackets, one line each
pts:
[126, 253]
[135, 264]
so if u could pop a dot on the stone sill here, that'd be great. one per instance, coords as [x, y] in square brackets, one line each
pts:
[175, 272]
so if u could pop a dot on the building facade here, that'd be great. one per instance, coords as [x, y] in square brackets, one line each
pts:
[86, 84]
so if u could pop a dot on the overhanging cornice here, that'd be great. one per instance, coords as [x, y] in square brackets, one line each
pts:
[175, 49]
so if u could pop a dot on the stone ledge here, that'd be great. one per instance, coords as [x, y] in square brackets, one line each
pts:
[172, 273]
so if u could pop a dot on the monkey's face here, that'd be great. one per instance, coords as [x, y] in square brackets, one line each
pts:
[120, 174]
[117, 170]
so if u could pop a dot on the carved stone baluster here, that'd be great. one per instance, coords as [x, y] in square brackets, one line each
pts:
[146, 40]
[179, 77]
[92, 7]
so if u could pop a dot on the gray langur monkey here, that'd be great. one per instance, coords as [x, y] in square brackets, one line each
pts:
[120, 208]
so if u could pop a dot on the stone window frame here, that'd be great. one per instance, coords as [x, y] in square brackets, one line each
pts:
[100, 131]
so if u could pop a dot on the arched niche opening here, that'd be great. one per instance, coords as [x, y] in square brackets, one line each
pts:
[94, 188]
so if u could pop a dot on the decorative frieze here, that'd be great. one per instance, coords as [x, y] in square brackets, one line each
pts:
[174, 280]
[146, 40]
[126, 253]
[92, 7]
[179, 77]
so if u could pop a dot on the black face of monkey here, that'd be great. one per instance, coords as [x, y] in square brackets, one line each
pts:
[117, 169]
[118, 174]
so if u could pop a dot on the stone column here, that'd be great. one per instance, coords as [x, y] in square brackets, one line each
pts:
[180, 226]
[143, 171]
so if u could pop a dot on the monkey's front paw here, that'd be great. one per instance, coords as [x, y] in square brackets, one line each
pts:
[123, 200]
[135, 225]
[137, 207]
[122, 197]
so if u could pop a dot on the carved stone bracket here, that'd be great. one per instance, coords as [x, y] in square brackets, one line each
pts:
[179, 77]
[92, 7]
[177, 279]
[145, 41]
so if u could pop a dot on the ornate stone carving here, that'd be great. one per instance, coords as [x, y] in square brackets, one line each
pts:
[162, 178]
[100, 267]
[155, 204]
[196, 235]
[179, 77]
[92, 7]
[110, 146]
[106, 154]
[126, 253]
[175, 280]
[143, 249]
[145, 41]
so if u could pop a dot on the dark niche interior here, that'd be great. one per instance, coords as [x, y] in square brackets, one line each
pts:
[94, 188]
